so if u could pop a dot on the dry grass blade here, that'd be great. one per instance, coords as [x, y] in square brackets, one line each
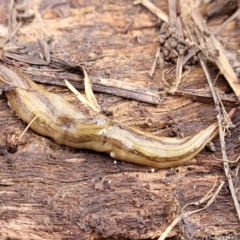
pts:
[11, 20]
[179, 68]
[155, 62]
[210, 201]
[205, 198]
[45, 48]
[172, 9]
[205, 95]
[89, 93]
[170, 227]
[219, 58]
[223, 25]
[175, 21]
[222, 135]
[224, 66]
[234, 161]
[80, 97]
[209, 196]
[199, 21]
[28, 126]
[26, 58]
[156, 11]
[213, 49]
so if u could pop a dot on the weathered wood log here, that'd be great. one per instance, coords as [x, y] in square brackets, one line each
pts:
[49, 191]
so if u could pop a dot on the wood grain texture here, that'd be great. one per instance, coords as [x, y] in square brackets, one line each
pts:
[49, 191]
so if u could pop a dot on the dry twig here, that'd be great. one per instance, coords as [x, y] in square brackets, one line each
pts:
[222, 135]
[213, 45]
[209, 196]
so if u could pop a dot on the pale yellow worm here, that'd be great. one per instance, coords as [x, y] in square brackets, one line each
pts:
[64, 123]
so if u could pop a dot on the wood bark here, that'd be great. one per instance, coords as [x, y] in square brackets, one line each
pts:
[49, 191]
